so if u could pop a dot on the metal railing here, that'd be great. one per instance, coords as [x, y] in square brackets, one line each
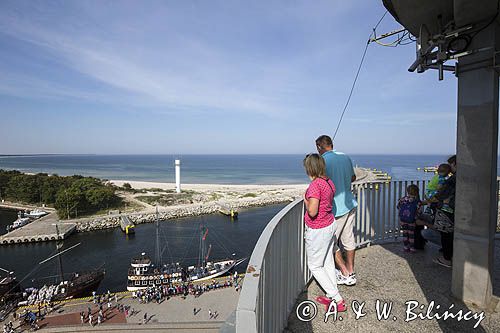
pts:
[277, 270]
[276, 273]
[376, 216]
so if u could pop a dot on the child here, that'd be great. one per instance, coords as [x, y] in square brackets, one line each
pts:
[409, 208]
[319, 231]
[433, 187]
[438, 180]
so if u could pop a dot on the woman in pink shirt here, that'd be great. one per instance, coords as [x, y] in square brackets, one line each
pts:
[320, 230]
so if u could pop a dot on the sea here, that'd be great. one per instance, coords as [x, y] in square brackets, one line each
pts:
[209, 169]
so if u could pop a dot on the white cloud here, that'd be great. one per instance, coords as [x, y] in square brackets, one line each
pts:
[190, 75]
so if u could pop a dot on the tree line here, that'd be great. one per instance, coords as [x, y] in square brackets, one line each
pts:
[71, 196]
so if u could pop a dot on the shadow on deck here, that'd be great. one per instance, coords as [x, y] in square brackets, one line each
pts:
[388, 274]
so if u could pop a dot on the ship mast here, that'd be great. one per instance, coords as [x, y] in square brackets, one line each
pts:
[158, 252]
[204, 256]
[58, 247]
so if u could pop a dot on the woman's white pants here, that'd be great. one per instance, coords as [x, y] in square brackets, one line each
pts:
[319, 248]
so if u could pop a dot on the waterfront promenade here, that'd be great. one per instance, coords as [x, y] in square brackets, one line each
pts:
[175, 313]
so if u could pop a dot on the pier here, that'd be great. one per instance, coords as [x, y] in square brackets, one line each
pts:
[41, 230]
[126, 225]
[228, 211]
[429, 169]
[367, 175]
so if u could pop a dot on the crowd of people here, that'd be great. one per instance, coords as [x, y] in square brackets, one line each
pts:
[8, 327]
[330, 209]
[159, 293]
[104, 305]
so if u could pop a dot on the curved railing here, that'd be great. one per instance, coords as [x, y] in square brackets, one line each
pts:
[275, 275]
[277, 271]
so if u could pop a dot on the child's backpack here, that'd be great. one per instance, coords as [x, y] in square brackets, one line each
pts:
[408, 210]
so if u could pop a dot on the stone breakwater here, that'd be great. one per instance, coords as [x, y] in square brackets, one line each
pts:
[264, 196]
[168, 213]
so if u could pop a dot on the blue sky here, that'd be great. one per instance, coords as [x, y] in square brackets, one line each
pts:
[208, 77]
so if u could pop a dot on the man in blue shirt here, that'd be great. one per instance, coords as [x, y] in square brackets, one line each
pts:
[340, 170]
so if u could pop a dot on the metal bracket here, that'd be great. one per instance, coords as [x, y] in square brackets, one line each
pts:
[496, 61]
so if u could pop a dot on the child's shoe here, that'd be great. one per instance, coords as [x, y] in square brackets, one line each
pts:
[412, 250]
[447, 208]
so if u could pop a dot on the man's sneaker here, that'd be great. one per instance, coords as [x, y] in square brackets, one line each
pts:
[341, 279]
[351, 279]
[442, 261]
[341, 306]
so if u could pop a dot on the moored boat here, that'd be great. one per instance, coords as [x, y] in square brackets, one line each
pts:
[73, 285]
[143, 273]
[20, 222]
[35, 213]
[8, 284]
[76, 285]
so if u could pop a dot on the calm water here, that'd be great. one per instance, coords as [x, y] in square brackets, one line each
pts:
[206, 169]
[113, 249]
[6, 217]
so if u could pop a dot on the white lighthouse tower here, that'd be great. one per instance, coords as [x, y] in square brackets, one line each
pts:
[178, 176]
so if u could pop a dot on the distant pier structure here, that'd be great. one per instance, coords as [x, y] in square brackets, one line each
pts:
[228, 211]
[178, 176]
[47, 228]
[126, 225]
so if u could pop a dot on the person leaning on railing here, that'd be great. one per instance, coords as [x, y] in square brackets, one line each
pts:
[340, 170]
[320, 232]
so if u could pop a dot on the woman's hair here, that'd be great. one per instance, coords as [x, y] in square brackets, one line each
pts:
[315, 165]
[452, 159]
[413, 190]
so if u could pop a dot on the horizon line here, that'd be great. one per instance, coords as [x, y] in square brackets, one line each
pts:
[214, 154]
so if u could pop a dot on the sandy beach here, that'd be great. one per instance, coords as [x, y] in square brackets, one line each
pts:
[208, 187]
[362, 175]
[152, 194]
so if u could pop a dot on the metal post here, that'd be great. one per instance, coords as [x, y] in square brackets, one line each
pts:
[476, 196]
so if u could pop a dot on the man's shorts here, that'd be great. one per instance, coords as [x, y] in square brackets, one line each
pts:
[344, 232]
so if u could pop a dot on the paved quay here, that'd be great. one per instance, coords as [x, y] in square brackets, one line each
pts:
[388, 274]
[40, 230]
[175, 313]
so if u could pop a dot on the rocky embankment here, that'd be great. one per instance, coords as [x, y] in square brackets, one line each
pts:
[168, 213]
